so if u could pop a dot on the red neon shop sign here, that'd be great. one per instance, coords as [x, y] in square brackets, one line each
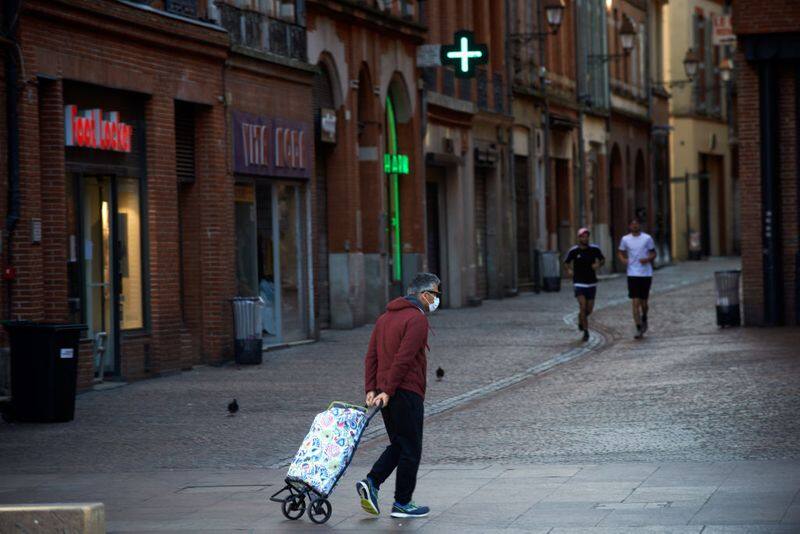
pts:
[91, 128]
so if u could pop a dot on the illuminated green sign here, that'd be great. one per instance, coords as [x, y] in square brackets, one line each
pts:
[395, 164]
[392, 160]
[465, 54]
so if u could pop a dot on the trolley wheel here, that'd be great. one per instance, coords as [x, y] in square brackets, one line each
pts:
[294, 506]
[319, 510]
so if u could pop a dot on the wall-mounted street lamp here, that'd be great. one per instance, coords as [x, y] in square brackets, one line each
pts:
[691, 62]
[627, 38]
[554, 13]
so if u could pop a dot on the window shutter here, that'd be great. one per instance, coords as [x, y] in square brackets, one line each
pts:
[184, 142]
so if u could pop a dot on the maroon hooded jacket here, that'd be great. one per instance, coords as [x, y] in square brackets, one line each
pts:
[396, 355]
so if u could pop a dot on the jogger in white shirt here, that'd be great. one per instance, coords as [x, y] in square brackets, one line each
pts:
[638, 251]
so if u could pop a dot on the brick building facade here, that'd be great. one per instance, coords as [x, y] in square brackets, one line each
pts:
[370, 221]
[130, 195]
[768, 73]
[295, 151]
[470, 211]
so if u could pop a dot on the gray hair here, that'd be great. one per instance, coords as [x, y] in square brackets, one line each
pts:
[423, 282]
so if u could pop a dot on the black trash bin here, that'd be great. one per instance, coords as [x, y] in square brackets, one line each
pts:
[44, 370]
[726, 284]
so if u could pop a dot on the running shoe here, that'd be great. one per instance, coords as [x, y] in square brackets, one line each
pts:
[586, 335]
[644, 326]
[369, 496]
[639, 332]
[409, 510]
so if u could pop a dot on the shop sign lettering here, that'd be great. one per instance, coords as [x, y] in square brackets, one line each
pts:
[395, 164]
[270, 147]
[92, 128]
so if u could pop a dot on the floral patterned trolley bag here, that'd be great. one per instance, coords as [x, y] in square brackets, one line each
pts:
[322, 460]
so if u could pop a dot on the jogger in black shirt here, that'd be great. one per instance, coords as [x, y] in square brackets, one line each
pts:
[582, 262]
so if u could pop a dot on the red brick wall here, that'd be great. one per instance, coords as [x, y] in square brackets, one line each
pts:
[3, 186]
[54, 208]
[790, 230]
[118, 47]
[765, 16]
[750, 182]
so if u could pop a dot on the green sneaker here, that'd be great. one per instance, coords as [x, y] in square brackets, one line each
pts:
[409, 510]
[369, 496]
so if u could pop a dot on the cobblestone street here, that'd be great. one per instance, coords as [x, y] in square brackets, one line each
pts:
[691, 429]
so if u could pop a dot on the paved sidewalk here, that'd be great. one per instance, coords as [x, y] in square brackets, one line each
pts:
[180, 422]
[666, 497]
[692, 430]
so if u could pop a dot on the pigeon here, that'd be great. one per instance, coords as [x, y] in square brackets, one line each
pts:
[233, 407]
[439, 374]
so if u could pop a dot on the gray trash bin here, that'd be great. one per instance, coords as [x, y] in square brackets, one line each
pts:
[726, 284]
[551, 271]
[247, 326]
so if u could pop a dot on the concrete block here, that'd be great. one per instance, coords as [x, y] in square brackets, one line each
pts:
[65, 518]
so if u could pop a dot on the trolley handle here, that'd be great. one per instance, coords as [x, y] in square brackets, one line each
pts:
[373, 411]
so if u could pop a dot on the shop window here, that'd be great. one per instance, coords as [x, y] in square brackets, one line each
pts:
[246, 242]
[130, 253]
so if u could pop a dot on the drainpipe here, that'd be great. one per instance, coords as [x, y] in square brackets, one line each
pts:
[11, 9]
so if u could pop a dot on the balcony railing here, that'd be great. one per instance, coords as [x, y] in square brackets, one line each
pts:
[187, 8]
[260, 31]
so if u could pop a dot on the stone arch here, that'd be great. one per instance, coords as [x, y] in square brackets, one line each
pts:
[327, 63]
[617, 212]
[373, 223]
[399, 93]
[324, 97]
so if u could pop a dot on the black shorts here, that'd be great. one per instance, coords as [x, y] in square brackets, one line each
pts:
[639, 287]
[588, 292]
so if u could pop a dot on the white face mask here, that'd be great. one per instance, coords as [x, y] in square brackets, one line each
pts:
[435, 304]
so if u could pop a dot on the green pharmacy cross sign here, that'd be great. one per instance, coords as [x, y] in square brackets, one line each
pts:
[395, 164]
[465, 54]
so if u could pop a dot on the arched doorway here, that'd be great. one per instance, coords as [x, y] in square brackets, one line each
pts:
[617, 200]
[641, 191]
[396, 168]
[371, 230]
[324, 144]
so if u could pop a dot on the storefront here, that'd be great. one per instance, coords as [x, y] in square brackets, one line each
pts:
[106, 226]
[273, 164]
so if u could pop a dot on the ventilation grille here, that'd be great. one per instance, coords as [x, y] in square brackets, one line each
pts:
[184, 142]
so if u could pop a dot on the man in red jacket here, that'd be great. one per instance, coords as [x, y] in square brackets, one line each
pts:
[394, 378]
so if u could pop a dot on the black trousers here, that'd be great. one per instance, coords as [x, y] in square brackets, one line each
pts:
[403, 419]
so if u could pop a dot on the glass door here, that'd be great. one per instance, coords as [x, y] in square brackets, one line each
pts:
[293, 279]
[272, 256]
[112, 267]
[98, 257]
